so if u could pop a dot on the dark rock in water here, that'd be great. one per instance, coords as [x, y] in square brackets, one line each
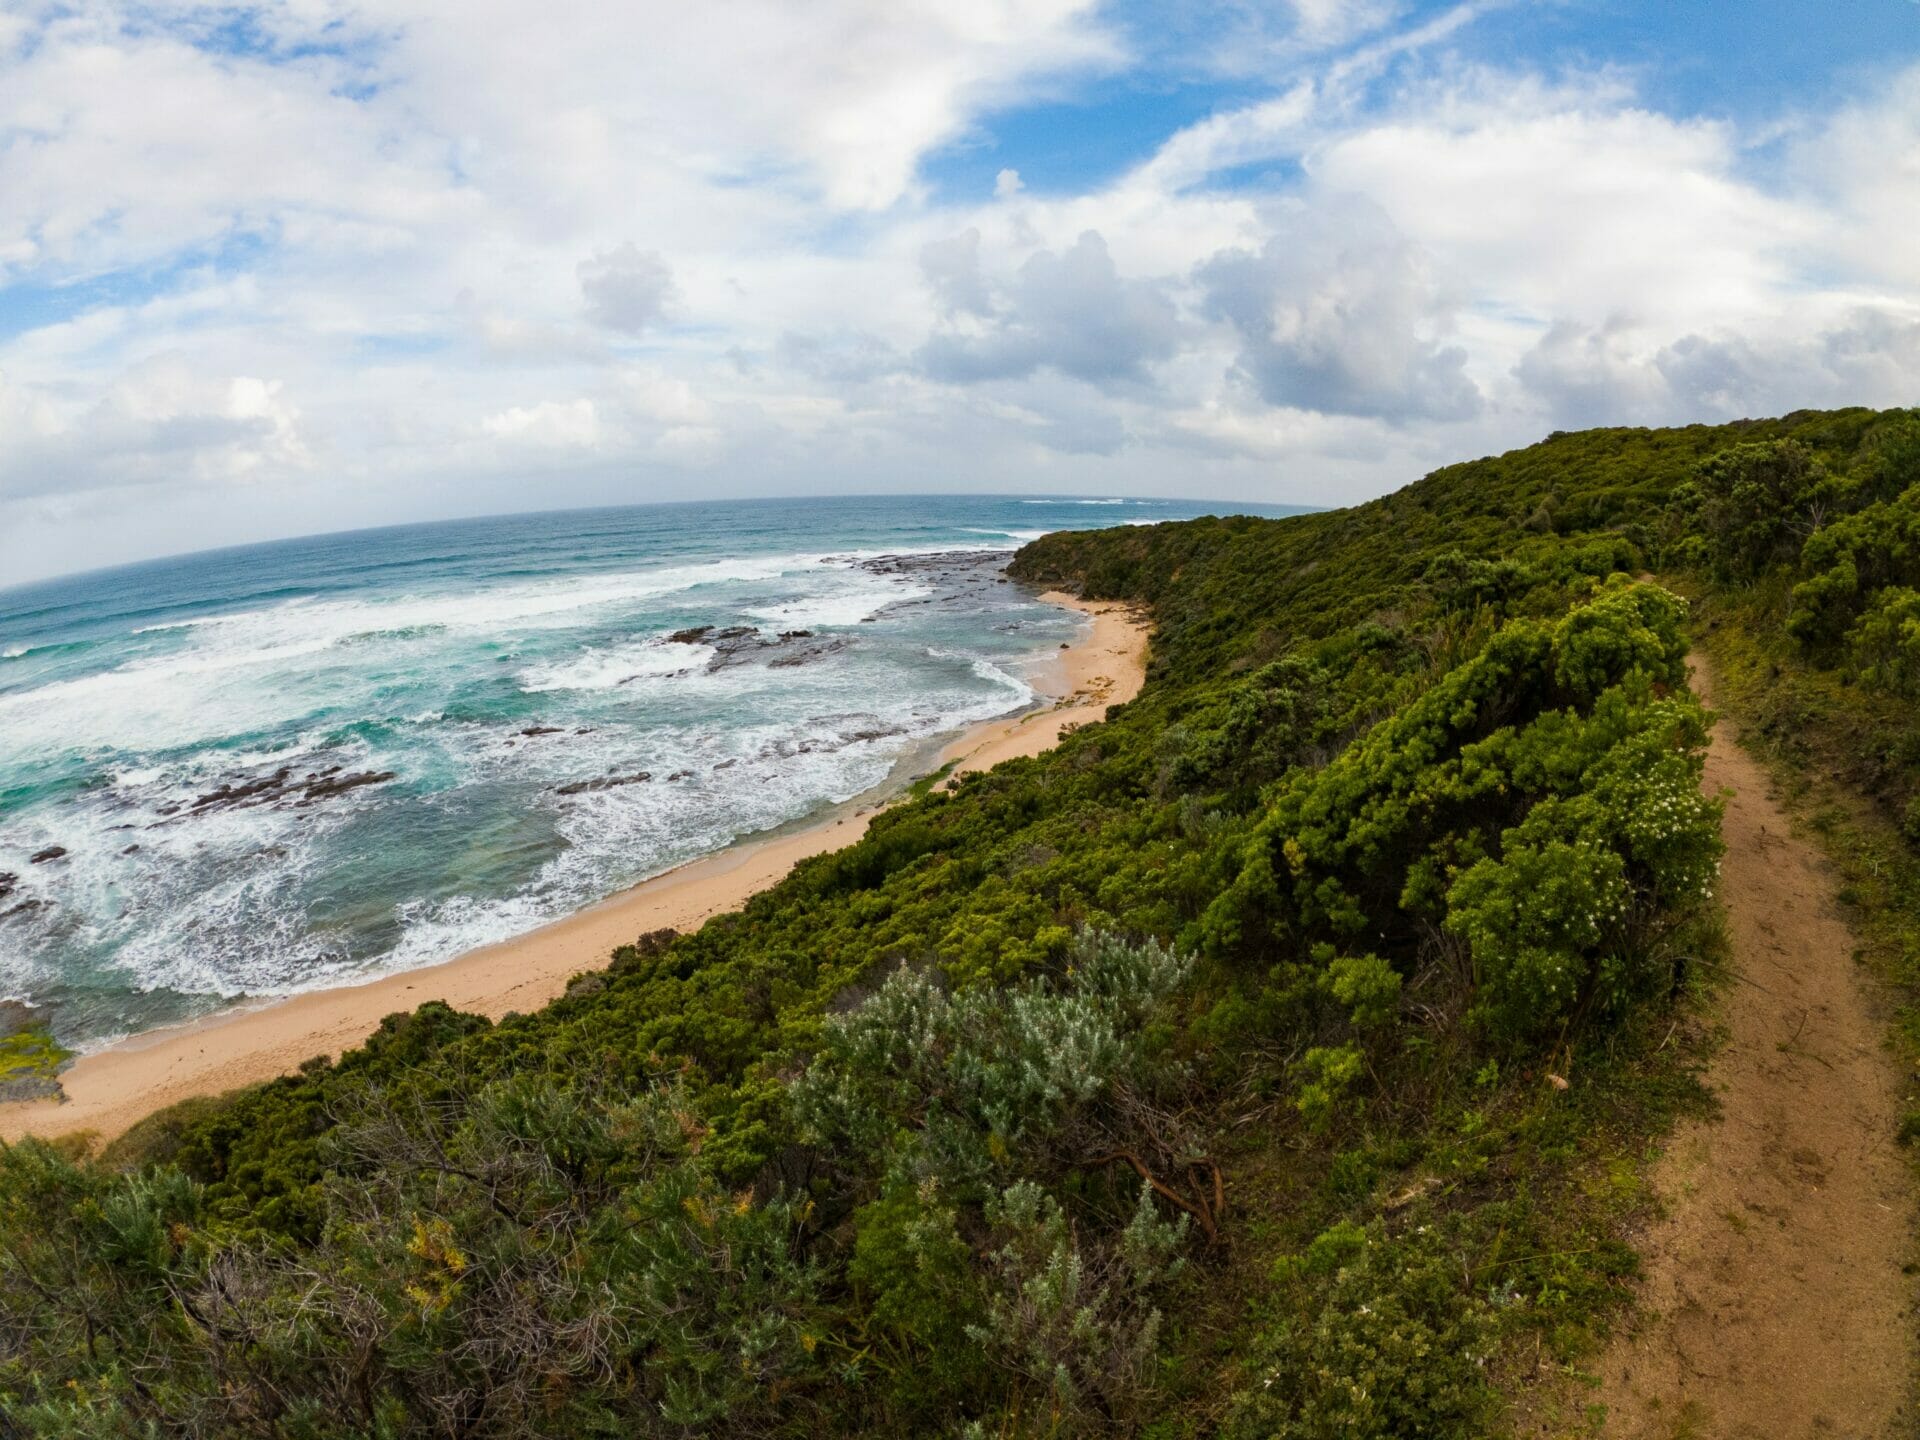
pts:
[131, 850]
[958, 577]
[281, 786]
[726, 764]
[326, 789]
[744, 644]
[691, 636]
[806, 654]
[679, 775]
[8, 881]
[226, 796]
[542, 730]
[827, 744]
[604, 782]
[670, 675]
[52, 852]
[737, 645]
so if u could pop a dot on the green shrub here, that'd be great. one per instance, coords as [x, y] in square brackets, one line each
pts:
[1378, 1341]
[1883, 647]
[1366, 986]
[1328, 1074]
[1751, 505]
[1850, 561]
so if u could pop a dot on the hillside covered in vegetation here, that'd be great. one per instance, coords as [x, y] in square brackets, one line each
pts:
[1270, 1060]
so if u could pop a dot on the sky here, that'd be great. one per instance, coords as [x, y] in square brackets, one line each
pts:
[277, 269]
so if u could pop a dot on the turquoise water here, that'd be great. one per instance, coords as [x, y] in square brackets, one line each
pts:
[292, 765]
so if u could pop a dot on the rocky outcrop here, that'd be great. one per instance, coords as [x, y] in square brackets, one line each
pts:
[282, 787]
[326, 788]
[807, 653]
[853, 730]
[30, 1058]
[603, 782]
[10, 887]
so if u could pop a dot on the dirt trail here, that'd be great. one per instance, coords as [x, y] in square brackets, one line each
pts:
[1775, 1302]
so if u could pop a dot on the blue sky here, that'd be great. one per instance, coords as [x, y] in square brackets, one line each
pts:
[267, 269]
[1751, 62]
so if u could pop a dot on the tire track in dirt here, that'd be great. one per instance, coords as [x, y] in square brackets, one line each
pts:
[1775, 1303]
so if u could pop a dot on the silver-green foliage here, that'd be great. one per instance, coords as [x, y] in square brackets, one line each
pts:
[985, 1068]
[1074, 1317]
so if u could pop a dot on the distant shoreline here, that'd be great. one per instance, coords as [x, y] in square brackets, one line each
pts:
[111, 1090]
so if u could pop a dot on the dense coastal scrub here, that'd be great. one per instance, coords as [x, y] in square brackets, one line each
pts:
[1270, 1060]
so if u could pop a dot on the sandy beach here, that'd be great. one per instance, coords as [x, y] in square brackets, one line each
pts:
[112, 1089]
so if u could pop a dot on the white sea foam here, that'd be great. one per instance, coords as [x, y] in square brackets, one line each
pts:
[1022, 692]
[987, 670]
[606, 669]
[257, 900]
[199, 621]
[212, 908]
[266, 668]
[1017, 537]
[837, 610]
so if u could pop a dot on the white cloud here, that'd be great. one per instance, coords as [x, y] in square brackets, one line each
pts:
[394, 259]
[1339, 313]
[159, 424]
[952, 270]
[1069, 312]
[563, 423]
[625, 289]
[1622, 372]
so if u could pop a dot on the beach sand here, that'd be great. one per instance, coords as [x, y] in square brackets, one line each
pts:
[110, 1090]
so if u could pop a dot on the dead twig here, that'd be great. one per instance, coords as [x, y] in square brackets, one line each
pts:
[1198, 1212]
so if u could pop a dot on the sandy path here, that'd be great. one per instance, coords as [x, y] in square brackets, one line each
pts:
[1774, 1304]
[110, 1090]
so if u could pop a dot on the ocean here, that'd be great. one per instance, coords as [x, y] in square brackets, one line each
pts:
[257, 771]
